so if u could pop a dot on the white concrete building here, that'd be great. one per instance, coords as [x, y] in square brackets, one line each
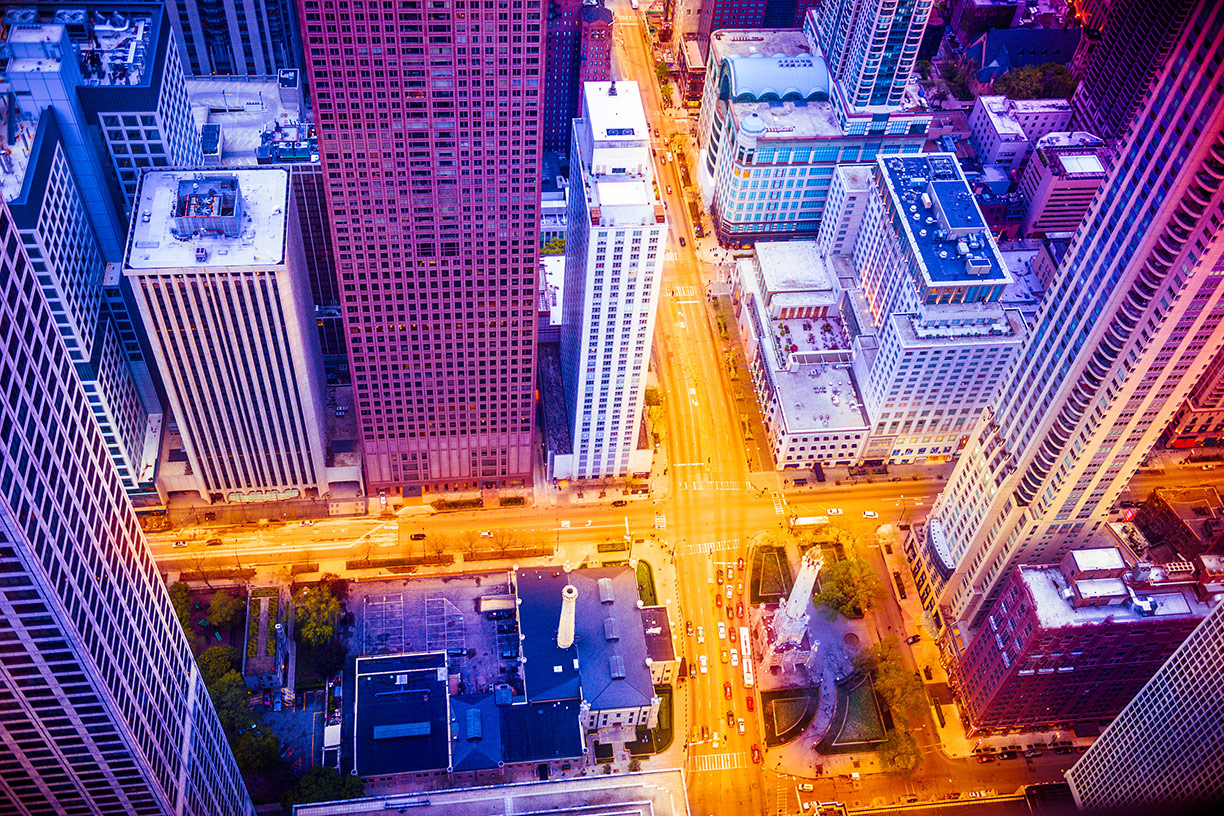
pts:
[848, 196]
[1003, 131]
[219, 276]
[933, 340]
[615, 240]
[789, 311]
[1062, 177]
[1133, 318]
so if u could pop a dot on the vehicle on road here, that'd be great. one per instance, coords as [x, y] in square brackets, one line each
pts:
[730, 612]
[750, 701]
[732, 635]
[718, 576]
[913, 639]
[705, 665]
[756, 754]
[669, 187]
[739, 565]
[179, 544]
[688, 628]
[740, 725]
[730, 718]
[739, 610]
[870, 514]
[669, 156]
[985, 758]
[1032, 752]
[619, 503]
[718, 599]
[705, 733]
[807, 787]
[722, 630]
[213, 542]
[307, 523]
[715, 742]
[727, 689]
[723, 656]
[739, 588]
[696, 735]
[1008, 755]
[683, 242]
[729, 592]
[692, 670]
[701, 634]
[834, 511]
[808, 521]
[735, 657]
[485, 534]
[417, 536]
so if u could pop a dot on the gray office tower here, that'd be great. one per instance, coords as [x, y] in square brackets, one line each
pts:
[102, 708]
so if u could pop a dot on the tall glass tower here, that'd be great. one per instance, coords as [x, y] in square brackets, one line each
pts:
[871, 45]
[1133, 318]
[102, 708]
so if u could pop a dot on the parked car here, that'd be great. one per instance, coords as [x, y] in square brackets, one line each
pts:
[701, 634]
[985, 758]
[619, 503]
[683, 242]
[727, 689]
[1008, 755]
[756, 754]
[1032, 752]
[870, 514]
[740, 724]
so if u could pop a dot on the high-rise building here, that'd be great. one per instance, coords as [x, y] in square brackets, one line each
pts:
[616, 235]
[1200, 419]
[1134, 316]
[221, 281]
[1060, 181]
[102, 708]
[432, 157]
[579, 45]
[715, 15]
[871, 45]
[1072, 644]
[933, 341]
[1121, 61]
[1165, 745]
[242, 37]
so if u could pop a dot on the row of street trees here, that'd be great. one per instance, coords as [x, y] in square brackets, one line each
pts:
[901, 690]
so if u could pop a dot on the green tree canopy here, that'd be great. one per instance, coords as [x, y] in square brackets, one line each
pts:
[1049, 81]
[217, 661]
[256, 749]
[848, 587]
[661, 71]
[666, 93]
[229, 697]
[339, 586]
[899, 753]
[179, 596]
[315, 615]
[329, 657]
[224, 609]
[321, 784]
[899, 688]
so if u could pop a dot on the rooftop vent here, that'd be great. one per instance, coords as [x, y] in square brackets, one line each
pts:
[616, 666]
[605, 591]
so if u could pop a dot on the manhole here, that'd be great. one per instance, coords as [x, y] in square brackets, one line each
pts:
[851, 640]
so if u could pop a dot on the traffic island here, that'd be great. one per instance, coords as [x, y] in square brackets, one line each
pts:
[858, 723]
[787, 713]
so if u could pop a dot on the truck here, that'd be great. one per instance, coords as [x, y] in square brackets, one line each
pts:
[808, 521]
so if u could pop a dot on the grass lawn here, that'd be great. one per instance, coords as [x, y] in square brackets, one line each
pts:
[646, 585]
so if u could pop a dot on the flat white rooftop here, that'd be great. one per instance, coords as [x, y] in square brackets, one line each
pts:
[1085, 163]
[1098, 558]
[153, 243]
[614, 111]
[1046, 584]
[792, 266]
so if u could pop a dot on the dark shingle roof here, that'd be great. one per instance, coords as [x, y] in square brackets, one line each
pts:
[999, 50]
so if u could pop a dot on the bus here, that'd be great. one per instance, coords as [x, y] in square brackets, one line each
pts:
[808, 521]
[746, 660]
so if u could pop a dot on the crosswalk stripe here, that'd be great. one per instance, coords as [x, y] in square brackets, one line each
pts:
[726, 486]
[707, 547]
[718, 762]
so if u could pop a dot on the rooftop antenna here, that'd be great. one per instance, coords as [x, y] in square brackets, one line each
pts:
[612, 88]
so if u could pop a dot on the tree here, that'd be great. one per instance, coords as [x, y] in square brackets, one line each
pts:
[662, 72]
[339, 586]
[899, 753]
[653, 396]
[439, 543]
[180, 597]
[223, 609]
[229, 697]
[849, 587]
[666, 93]
[1049, 81]
[329, 657]
[217, 661]
[900, 689]
[470, 539]
[322, 784]
[315, 612]
[256, 749]
[504, 540]
[556, 246]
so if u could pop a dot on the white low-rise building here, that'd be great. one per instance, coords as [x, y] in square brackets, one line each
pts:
[1003, 131]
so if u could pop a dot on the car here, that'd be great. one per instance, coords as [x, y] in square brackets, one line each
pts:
[705, 664]
[656, 133]
[669, 187]
[731, 634]
[912, 639]
[756, 754]
[714, 742]
[870, 514]
[730, 613]
[718, 576]
[213, 542]
[718, 599]
[669, 156]
[509, 654]
[705, 732]
[1032, 752]
[739, 565]
[276, 704]
[734, 657]
[179, 544]
[683, 242]
[723, 656]
[739, 609]
[307, 523]
[1008, 755]
[688, 628]
[620, 503]
[692, 670]
[417, 536]
[833, 511]
[696, 735]
[499, 614]
[1062, 749]
[806, 787]
[750, 701]
[727, 689]
[701, 634]
[739, 588]
[1208, 467]
[985, 758]
[729, 592]
[486, 534]
[740, 725]
[506, 628]
[722, 630]
[730, 719]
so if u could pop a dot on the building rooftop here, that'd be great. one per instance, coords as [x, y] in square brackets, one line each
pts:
[657, 626]
[17, 133]
[1052, 595]
[941, 220]
[402, 722]
[188, 219]
[615, 112]
[1000, 118]
[552, 282]
[790, 266]
[787, 120]
[111, 46]
[804, 75]
[1097, 558]
[765, 42]
[855, 177]
[257, 121]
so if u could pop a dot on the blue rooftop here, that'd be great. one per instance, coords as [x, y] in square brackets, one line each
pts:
[937, 211]
[401, 714]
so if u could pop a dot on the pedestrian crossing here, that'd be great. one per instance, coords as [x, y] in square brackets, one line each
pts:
[711, 484]
[718, 762]
[779, 505]
[660, 521]
[685, 291]
[706, 547]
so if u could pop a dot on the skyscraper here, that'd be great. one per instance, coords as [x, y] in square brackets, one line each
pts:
[243, 37]
[871, 45]
[1135, 314]
[1165, 745]
[579, 44]
[1135, 41]
[102, 708]
[614, 244]
[429, 131]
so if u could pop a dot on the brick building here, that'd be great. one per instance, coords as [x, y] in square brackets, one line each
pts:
[579, 45]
